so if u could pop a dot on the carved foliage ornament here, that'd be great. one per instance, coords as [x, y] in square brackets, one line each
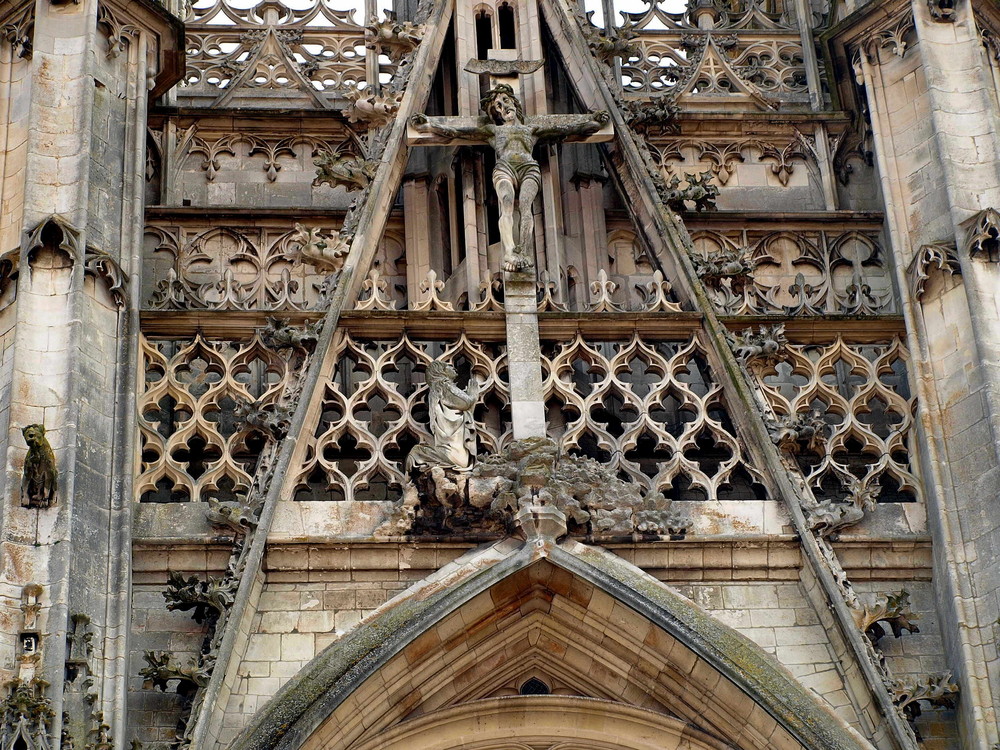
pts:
[984, 236]
[26, 715]
[940, 256]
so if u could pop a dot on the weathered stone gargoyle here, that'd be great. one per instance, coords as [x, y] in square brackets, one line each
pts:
[394, 38]
[237, 516]
[942, 11]
[323, 251]
[343, 170]
[614, 41]
[38, 481]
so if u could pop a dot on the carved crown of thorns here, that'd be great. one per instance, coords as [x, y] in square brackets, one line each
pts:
[495, 93]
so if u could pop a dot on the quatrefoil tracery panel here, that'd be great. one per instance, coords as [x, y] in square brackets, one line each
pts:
[192, 443]
[374, 411]
[861, 393]
[802, 272]
[651, 410]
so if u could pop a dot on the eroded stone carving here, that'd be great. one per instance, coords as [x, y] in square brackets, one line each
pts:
[38, 481]
[793, 433]
[935, 690]
[374, 110]
[325, 251]
[829, 515]
[278, 334]
[343, 170]
[206, 599]
[237, 515]
[26, 715]
[517, 177]
[394, 38]
[942, 11]
[453, 433]
[699, 190]
[273, 418]
[161, 669]
[734, 266]
[759, 350]
[891, 609]
[533, 472]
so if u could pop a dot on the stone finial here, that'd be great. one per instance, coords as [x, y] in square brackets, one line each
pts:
[38, 481]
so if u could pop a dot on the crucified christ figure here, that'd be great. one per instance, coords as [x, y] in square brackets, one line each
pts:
[517, 176]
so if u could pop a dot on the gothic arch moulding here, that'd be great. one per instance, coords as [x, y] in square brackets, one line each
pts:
[597, 630]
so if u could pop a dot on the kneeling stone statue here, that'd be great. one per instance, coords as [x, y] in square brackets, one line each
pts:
[453, 432]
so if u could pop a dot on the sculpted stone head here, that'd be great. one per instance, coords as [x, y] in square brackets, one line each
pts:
[502, 106]
[34, 434]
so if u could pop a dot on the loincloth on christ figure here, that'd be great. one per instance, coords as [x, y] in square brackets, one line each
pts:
[519, 173]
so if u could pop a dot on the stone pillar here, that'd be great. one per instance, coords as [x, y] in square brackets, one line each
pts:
[71, 291]
[935, 124]
[524, 360]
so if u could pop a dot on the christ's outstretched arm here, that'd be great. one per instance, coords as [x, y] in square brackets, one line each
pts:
[565, 127]
[425, 124]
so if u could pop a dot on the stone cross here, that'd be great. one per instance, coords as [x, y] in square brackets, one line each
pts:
[516, 180]
[517, 176]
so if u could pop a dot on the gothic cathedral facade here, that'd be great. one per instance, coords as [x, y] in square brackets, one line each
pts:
[499, 374]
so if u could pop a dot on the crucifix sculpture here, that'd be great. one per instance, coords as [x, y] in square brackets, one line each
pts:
[516, 176]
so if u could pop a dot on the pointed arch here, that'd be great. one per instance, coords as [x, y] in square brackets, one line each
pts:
[572, 615]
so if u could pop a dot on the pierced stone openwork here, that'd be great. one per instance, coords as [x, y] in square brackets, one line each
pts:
[652, 411]
[860, 394]
[273, 49]
[374, 411]
[225, 268]
[801, 272]
[753, 50]
[195, 445]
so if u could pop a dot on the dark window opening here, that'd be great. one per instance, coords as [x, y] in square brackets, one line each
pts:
[506, 27]
[534, 686]
[484, 35]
